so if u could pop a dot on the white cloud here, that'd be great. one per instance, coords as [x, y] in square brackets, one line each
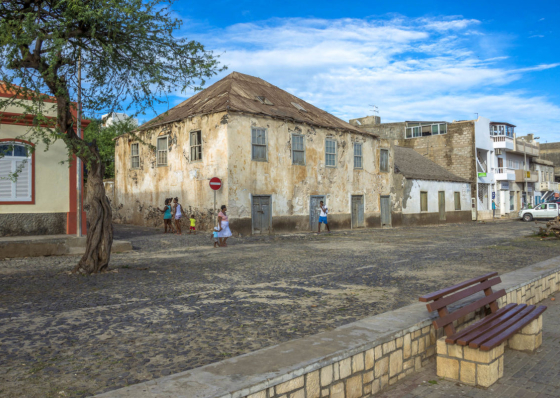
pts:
[424, 68]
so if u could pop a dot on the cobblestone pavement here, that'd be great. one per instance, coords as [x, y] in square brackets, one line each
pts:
[176, 303]
[525, 375]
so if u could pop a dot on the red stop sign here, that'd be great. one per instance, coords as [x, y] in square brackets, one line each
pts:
[215, 183]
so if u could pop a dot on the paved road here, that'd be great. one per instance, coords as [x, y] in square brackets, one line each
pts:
[525, 375]
[177, 303]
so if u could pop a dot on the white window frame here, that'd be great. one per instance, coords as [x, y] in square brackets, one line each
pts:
[298, 150]
[334, 154]
[166, 151]
[198, 133]
[414, 130]
[133, 156]
[360, 156]
[265, 145]
[12, 160]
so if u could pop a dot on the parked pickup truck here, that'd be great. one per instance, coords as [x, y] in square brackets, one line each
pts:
[544, 210]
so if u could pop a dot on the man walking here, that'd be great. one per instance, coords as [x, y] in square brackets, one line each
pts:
[323, 217]
[493, 209]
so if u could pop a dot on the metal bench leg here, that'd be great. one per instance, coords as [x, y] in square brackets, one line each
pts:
[529, 338]
[468, 365]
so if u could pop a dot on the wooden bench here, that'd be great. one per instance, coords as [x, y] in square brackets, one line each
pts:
[474, 355]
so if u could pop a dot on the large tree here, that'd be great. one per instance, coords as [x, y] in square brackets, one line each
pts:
[130, 58]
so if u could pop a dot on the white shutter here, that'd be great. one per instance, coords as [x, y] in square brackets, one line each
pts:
[5, 182]
[23, 191]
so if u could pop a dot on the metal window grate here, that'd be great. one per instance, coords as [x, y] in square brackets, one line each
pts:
[330, 153]
[162, 151]
[358, 156]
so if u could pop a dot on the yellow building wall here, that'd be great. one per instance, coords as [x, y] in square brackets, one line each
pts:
[292, 185]
[51, 177]
[139, 192]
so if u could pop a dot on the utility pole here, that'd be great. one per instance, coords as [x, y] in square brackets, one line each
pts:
[78, 161]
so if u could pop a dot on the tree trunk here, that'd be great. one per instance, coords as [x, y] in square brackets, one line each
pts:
[99, 223]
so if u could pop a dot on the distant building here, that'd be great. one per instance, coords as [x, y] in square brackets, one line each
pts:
[551, 151]
[110, 119]
[546, 187]
[277, 157]
[427, 193]
[487, 154]
[43, 198]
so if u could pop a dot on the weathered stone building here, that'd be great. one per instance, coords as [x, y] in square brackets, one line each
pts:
[551, 151]
[276, 155]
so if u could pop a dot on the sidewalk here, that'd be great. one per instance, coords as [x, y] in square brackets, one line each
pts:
[525, 376]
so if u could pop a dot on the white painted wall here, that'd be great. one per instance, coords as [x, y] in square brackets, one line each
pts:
[432, 188]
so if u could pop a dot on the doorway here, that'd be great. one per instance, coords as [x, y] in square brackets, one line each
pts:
[357, 211]
[261, 215]
[314, 211]
[385, 211]
[441, 205]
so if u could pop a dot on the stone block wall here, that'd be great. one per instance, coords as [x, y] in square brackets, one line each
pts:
[375, 368]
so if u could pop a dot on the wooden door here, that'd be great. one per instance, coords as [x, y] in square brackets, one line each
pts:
[385, 211]
[441, 205]
[357, 211]
[314, 211]
[261, 215]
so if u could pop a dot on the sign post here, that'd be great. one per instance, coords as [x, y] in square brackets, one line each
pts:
[215, 184]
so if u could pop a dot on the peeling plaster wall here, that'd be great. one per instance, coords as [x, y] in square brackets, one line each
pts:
[139, 192]
[292, 185]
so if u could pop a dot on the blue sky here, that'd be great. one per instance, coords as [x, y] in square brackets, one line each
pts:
[414, 60]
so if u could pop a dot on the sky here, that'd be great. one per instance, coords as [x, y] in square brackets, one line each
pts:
[413, 60]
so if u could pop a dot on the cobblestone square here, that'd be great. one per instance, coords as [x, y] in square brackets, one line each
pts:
[176, 303]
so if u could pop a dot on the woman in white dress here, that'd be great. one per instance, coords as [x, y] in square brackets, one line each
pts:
[223, 222]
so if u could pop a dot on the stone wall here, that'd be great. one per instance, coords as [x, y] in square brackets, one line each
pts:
[368, 372]
[27, 224]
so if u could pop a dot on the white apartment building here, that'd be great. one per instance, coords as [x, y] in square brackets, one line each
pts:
[515, 181]
[545, 187]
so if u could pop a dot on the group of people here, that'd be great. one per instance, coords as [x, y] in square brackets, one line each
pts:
[173, 210]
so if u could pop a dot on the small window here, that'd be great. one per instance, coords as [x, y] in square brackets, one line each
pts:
[552, 206]
[384, 161]
[457, 201]
[298, 150]
[263, 100]
[423, 201]
[259, 143]
[196, 146]
[135, 156]
[443, 128]
[357, 156]
[330, 153]
[298, 106]
[435, 130]
[162, 151]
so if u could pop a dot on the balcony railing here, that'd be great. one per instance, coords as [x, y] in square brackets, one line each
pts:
[502, 138]
[503, 170]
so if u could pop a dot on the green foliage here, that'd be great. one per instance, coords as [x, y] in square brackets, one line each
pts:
[104, 139]
[129, 55]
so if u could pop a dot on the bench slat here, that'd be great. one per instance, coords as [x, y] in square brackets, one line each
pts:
[499, 329]
[445, 301]
[466, 339]
[452, 289]
[452, 339]
[443, 321]
[506, 334]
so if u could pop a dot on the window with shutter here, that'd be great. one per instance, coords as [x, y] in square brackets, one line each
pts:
[357, 156]
[384, 160]
[260, 145]
[330, 153]
[162, 150]
[196, 146]
[16, 178]
[298, 150]
[135, 156]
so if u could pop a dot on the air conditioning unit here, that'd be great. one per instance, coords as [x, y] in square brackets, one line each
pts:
[498, 151]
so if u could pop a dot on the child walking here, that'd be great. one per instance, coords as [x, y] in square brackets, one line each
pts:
[166, 215]
[178, 215]
[193, 225]
[215, 236]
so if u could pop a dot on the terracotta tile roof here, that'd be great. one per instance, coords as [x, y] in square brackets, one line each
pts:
[412, 165]
[243, 93]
